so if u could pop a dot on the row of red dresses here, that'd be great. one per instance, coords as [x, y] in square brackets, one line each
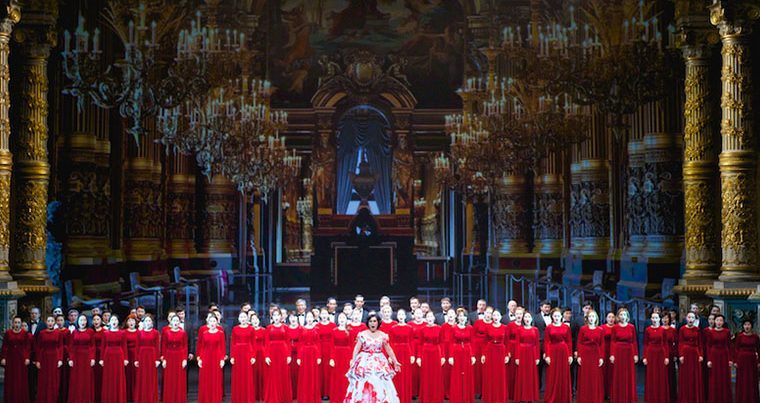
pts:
[505, 382]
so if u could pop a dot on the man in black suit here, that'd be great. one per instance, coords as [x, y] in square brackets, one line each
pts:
[480, 309]
[359, 306]
[332, 310]
[440, 318]
[509, 315]
[542, 319]
[301, 311]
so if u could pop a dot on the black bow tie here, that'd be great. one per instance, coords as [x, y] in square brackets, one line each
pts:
[547, 315]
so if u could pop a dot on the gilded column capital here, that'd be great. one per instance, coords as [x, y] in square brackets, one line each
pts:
[735, 17]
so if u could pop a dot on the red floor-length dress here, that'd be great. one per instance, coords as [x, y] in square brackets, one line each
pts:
[590, 386]
[416, 343]
[480, 329]
[402, 340]
[447, 331]
[174, 350]
[528, 351]
[242, 349]
[81, 350]
[294, 335]
[260, 366]
[17, 348]
[48, 350]
[325, 343]
[277, 388]
[211, 375]
[462, 372]
[746, 351]
[656, 350]
[718, 354]
[624, 348]
[114, 378]
[494, 369]
[672, 337]
[690, 388]
[340, 353]
[608, 366]
[146, 376]
[558, 346]
[97, 369]
[65, 371]
[130, 371]
[512, 329]
[309, 384]
[431, 387]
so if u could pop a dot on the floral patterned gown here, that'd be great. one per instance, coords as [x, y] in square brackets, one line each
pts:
[370, 377]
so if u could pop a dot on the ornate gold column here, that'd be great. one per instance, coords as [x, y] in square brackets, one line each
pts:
[595, 190]
[218, 220]
[699, 168]
[576, 220]
[663, 183]
[549, 232]
[35, 38]
[635, 208]
[738, 158]
[143, 201]
[6, 158]
[180, 215]
[511, 206]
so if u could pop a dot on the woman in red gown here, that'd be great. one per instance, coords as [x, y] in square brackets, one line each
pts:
[512, 328]
[690, 359]
[340, 360]
[430, 362]
[719, 362]
[417, 324]
[259, 334]
[81, 360]
[656, 359]
[526, 361]
[211, 363]
[355, 326]
[494, 359]
[590, 386]
[746, 351]
[325, 329]
[48, 350]
[277, 388]
[558, 350]
[480, 329]
[114, 360]
[130, 332]
[462, 361]
[402, 342]
[242, 358]
[610, 321]
[671, 333]
[309, 359]
[386, 319]
[447, 331]
[15, 356]
[99, 330]
[174, 351]
[624, 354]
[147, 362]
[294, 335]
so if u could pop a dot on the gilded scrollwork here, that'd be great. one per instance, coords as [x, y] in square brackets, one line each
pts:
[180, 215]
[550, 220]
[739, 235]
[595, 208]
[143, 203]
[219, 217]
[511, 210]
[701, 236]
[31, 218]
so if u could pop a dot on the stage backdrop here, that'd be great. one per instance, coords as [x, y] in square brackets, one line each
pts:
[423, 36]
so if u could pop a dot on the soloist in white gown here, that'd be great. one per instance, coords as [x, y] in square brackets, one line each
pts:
[370, 378]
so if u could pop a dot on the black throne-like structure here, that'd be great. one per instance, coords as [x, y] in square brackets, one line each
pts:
[363, 254]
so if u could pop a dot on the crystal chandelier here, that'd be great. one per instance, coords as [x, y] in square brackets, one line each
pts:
[242, 138]
[149, 76]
